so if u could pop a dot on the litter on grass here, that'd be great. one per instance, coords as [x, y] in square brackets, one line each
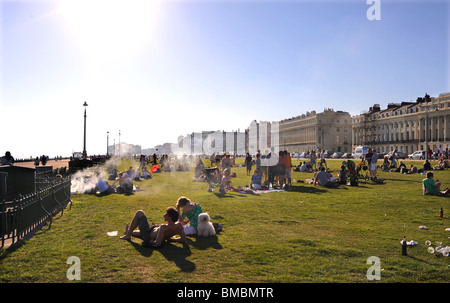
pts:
[410, 243]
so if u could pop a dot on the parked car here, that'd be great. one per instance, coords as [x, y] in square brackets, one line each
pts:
[381, 155]
[417, 155]
[399, 155]
[346, 156]
[337, 155]
[360, 152]
[328, 154]
[304, 155]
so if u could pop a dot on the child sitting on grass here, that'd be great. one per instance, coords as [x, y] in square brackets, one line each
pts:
[226, 179]
[256, 180]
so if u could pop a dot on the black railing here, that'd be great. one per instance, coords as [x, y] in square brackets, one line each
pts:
[23, 215]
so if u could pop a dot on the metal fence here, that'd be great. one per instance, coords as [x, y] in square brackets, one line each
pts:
[23, 215]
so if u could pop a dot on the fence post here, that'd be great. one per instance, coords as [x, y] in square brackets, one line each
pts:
[12, 220]
[41, 199]
[56, 199]
[3, 221]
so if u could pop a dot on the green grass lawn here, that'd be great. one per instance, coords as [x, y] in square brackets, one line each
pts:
[311, 234]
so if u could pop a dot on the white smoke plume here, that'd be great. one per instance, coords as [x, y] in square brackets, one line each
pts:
[85, 181]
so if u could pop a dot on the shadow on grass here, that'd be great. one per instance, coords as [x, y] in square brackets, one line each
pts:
[203, 243]
[401, 180]
[178, 255]
[421, 260]
[231, 194]
[145, 251]
[37, 230]
[307, 189]
[171, 252]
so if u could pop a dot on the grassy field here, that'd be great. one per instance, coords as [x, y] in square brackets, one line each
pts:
[310, 234]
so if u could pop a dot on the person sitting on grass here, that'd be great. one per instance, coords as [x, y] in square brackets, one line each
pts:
[342, 175]
[303, 167]
[440, 165]
[385, 166]
[432, 187]
[189, 214]
[102, 186]
[146, 174]
[427, 166]
[323, 178]
[256, 180]
[125, 184]
[155, 235]
[226, 179]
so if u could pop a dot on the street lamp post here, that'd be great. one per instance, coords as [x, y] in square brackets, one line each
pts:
[426, 99]
[426, 135]
[107, 143]
[84, 142]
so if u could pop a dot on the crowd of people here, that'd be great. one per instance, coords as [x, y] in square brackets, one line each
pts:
[370, 164]
[182, 219]
[263, 176]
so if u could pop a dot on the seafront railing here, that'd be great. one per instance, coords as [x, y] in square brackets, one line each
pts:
[25, 214]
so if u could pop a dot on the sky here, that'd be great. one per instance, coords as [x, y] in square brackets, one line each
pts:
[156, 70]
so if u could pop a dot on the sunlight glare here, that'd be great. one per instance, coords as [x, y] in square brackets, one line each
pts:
[109, 30]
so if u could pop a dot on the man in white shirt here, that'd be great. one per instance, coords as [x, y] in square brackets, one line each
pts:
[103, 186]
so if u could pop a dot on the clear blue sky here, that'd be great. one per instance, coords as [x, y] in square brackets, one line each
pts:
[159, 69]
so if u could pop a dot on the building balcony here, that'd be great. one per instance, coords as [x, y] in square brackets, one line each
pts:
[392, 142]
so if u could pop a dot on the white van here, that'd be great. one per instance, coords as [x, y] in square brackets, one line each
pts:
[360, 152]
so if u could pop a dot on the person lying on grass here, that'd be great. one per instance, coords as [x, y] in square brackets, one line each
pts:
[432, 187]
[155, 235]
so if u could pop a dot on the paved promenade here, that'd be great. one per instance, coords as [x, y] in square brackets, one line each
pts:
[55, 164]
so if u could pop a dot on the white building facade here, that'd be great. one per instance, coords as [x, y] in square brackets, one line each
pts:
[403, 126]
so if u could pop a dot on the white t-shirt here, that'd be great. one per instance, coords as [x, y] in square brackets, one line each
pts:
[102, 185]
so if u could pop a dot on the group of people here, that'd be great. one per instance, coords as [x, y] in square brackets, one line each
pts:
[95, 184]
[42, 159]
[123, 181]
[323, 177]
[181, 221]
[266, 176]
[438, 153]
